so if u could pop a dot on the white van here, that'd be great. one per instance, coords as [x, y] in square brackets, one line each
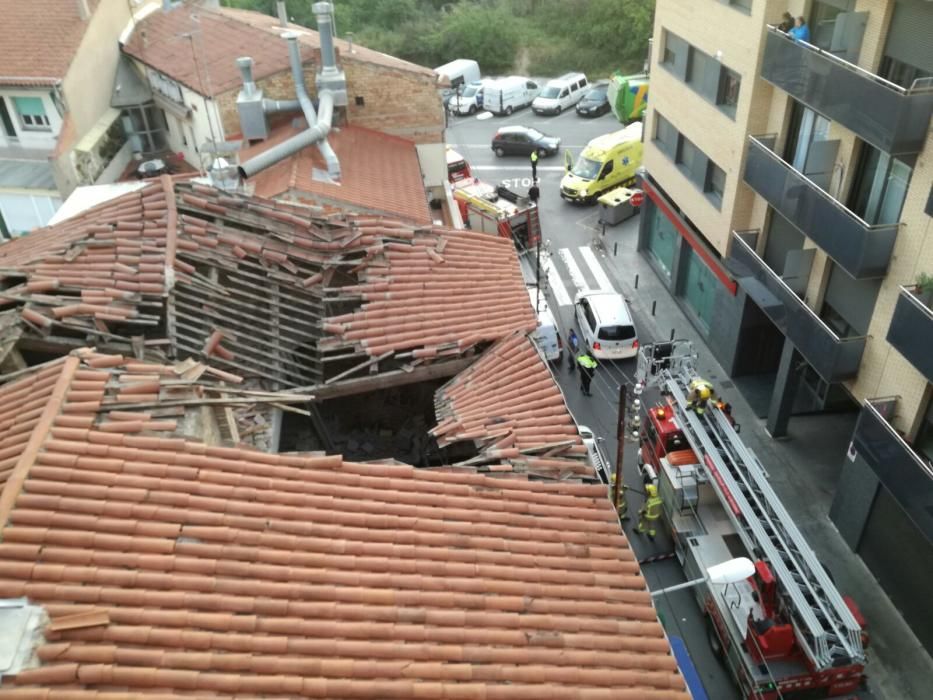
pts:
[546, 336]
[560, 94]
[468, 99]
[606, 325]
[462, 71]
[505, 95]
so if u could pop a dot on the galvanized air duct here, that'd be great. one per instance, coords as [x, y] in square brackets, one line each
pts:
[318, 125]
[245, 64]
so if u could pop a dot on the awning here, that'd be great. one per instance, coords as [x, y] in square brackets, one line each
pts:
[129, 89]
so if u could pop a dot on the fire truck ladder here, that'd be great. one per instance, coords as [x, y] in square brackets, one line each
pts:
[823, 624]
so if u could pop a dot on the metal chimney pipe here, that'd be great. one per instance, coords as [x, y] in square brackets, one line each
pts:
[245, 64]
[280, 10]
[323, 14]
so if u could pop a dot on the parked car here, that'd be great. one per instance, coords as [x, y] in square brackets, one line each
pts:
[594, 450]
[505, 95]
[459, 72]
[606, 325]
[522, 140]
[560, 94]
[595, 102]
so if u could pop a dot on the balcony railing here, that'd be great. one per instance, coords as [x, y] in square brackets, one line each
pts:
[833, 358]
[904, 472]
[887, 116]
[911, 332]
[863, 249]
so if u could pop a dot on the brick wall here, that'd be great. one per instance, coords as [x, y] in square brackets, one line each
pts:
[395, 102]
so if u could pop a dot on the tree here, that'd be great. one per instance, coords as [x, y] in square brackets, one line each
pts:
[486, 33]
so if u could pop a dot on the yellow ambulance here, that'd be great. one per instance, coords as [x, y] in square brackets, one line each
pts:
[607, 162]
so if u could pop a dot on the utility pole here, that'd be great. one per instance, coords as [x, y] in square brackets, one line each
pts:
[618, 492]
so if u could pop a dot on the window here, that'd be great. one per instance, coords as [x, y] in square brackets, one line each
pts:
[616, 333]
[606, 170]
[673, 45]
[727, 97]
[5, 120]
[715, 183]
[665, 135]
[881, 183]
[687, 154]
[588, 312]
[32, 113]
[744, 5]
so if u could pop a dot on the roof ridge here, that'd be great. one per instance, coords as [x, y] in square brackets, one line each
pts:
[14, 483]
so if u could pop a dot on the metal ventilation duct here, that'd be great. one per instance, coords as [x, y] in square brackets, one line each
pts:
[331, 87]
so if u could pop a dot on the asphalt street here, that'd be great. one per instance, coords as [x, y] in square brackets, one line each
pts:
[580, 256]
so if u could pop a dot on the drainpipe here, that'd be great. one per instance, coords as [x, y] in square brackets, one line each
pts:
[318, 125]
[280, 10]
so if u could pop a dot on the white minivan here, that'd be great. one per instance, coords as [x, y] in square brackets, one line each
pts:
[606, 325]
[459, 72]
[560, 94]
[505, 95]
[468, 99]
[546, 335]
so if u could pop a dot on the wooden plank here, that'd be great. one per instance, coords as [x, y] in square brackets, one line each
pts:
[362, 365]
[348, 387]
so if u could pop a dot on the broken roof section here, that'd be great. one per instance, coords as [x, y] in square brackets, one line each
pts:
[381, 173]
[263, 289]
[171, 567]
[510, 407]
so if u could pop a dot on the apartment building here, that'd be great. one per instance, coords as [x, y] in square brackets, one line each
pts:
[789, 211]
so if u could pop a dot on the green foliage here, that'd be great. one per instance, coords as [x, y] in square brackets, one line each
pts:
[537, 37]
[925, 283]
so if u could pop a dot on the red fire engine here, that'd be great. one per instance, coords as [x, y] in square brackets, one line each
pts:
[785, 631]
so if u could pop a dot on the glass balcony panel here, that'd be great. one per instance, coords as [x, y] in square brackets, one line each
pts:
[863, 250]
[911, 331]
[885, 115]
[833, 358]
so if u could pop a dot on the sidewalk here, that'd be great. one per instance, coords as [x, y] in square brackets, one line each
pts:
[803, 471]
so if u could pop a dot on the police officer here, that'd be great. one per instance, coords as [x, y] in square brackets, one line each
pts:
[649, 512]
[534, 165]
[700, 392]
[587, 369]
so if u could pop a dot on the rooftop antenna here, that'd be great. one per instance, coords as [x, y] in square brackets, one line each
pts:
[197, 68]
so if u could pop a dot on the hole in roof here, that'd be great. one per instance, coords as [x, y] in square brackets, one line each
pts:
[20, 634]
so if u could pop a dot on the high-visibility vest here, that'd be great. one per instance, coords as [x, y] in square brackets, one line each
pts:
[534, 156]
[653, 508]
[587, 362]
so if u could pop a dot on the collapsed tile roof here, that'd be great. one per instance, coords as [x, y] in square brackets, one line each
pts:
[159, 40]
[40, 39]
[261, 288]
[172, 568]
[381, 173]
[432, 292]
[510, 407]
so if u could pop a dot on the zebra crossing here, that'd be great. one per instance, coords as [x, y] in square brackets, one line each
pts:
[572, 270]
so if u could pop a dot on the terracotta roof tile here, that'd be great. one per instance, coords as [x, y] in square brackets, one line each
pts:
[379, 173]
[509, 405]
[40, 39]
[262, 574]
[226, 34]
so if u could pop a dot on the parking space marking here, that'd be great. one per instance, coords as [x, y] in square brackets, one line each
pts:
[556, 284]
[576, 274]
[602, 279]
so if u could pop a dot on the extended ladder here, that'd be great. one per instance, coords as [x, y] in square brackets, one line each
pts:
[823, 624]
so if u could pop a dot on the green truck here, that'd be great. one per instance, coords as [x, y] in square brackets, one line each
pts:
[628, 96]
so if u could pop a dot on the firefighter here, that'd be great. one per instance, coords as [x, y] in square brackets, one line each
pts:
[649, 512]
[701, 391]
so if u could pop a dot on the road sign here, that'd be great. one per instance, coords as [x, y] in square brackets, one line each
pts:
[637, 199]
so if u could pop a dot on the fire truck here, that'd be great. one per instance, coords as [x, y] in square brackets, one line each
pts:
[493, 209]
[786, 631]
